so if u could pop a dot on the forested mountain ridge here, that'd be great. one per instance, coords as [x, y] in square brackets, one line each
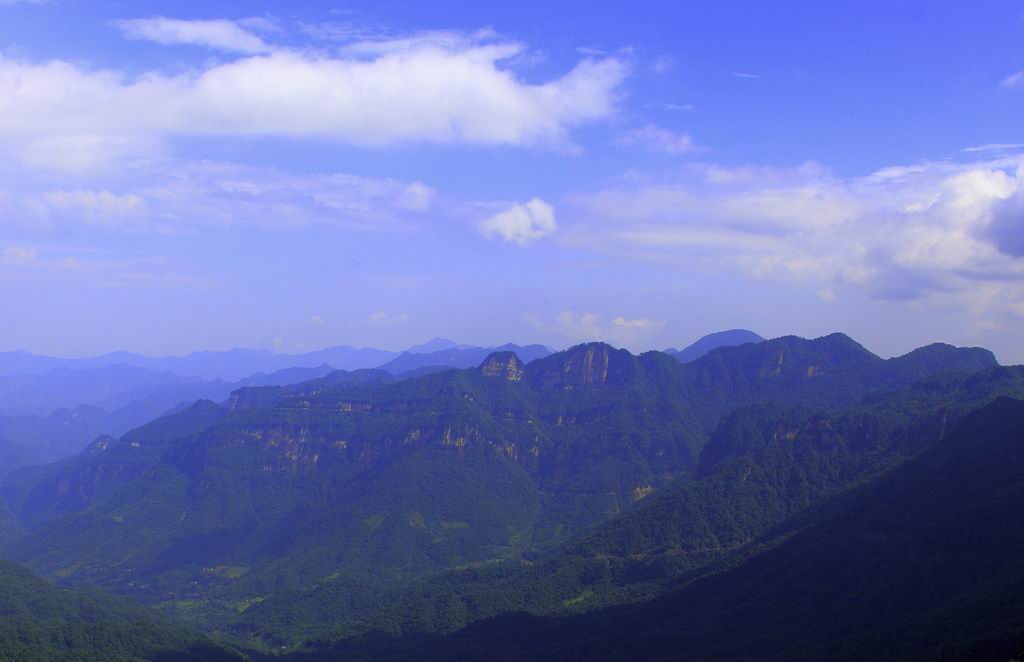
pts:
[42, 622]
[764, 466]
[919, 564]
[38, 494]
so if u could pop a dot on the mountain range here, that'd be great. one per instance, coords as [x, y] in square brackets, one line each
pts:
[47, 416]
[609, 504]
[713, 341]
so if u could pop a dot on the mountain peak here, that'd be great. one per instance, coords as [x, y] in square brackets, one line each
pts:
[504, 364]
[713, 341]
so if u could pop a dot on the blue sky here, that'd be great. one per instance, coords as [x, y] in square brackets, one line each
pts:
[182, 176]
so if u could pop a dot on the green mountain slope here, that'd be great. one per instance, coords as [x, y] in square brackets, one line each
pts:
[39, 621]
[38, 494]
[764, 466]
[921, 563]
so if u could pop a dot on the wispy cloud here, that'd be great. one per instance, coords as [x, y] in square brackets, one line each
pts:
[97, 269]
[219, 34]
[662, 65]
[100, 207]
[994, 149]
[674, 107]
[1014, 80]
[657, 139]
[385, 319]
[17, 255]
[176, 196]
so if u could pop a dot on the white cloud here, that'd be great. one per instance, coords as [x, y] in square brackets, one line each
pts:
[1014, 80]
[638, 324]
[436, 88]
[217, 34]
[945, 233]
[522, 224]
[657, 139]
[589, 326]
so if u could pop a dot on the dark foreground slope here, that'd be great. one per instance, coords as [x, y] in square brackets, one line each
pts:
[40, 621]
[923, 563]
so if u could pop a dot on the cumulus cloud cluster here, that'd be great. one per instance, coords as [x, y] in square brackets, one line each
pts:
[521, 224]
[943, 233]
[440, 88]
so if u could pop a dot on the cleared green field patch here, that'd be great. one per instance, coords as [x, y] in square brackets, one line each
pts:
[445, 524]
[373, 521]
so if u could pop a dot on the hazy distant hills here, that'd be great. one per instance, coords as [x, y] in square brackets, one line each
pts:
[437, 345]
[108, 387]
[237, 364]
[714, 341]
[231, 365]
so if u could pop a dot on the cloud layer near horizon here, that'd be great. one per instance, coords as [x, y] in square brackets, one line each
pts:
[947, 233]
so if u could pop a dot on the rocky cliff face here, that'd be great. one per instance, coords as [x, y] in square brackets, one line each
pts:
[504, 365]
[583, 365]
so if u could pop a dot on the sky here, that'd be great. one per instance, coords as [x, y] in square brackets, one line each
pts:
[177, 176]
